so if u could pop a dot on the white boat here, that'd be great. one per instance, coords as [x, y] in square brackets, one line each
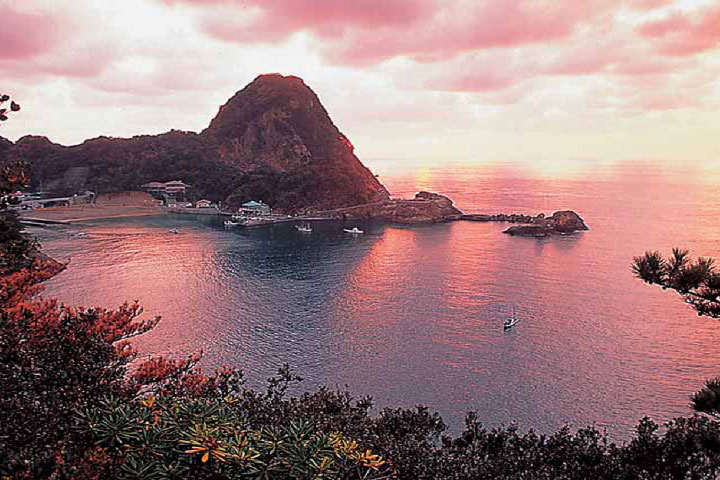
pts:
[511, 321]
[175, 231]
[354, 230]
[230, 223]
[304, 228]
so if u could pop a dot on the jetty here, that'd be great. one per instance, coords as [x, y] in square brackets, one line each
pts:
[41, 222]
[253, 222]
[503, 217]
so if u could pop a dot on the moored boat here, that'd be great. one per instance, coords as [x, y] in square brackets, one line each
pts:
[511, 321]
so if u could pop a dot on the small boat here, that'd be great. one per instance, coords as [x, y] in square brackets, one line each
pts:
[510, 321]
[230, 223]
[306, 228]
[354, 230]
[78, 234]
[174, 230]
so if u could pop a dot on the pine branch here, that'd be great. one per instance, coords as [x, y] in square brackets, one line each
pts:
[697, 282]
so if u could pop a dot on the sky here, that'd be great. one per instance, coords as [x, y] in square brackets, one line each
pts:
[427, 81]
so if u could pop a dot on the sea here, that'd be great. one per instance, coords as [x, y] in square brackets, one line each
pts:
[414, 314]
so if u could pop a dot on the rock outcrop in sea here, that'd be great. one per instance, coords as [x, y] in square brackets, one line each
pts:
[562, 223]
[426, 207]
[272, 141]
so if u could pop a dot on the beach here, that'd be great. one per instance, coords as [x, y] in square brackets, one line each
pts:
[115, 205]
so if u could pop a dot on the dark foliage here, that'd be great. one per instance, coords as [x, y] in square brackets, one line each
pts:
[406, 441]
[5, 109]
[16, 249]
[707, 400]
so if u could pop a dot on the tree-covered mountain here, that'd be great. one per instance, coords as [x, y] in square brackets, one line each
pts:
[272, 141]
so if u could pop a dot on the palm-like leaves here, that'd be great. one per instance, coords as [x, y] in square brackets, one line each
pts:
[211, 439]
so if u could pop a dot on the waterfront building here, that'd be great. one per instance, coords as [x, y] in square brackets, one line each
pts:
[254, 209]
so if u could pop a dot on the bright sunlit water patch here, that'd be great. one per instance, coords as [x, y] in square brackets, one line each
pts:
[414, 314]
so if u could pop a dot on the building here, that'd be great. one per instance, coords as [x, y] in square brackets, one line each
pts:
[154, 188]
[176, 204]
[254, 209]
[173, 188]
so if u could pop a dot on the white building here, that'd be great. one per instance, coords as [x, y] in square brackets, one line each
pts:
[254, 209]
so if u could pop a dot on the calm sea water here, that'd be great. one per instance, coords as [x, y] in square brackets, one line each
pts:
[414, 314]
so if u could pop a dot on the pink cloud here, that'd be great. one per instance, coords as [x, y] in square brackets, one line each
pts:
[366, 32]
[37, 41]
[660, 28]
[611, 53]
[683, 34]
[646, 65]
[25, 35]
[615, 56]
[84, 60]
[369, 32]
[640, 94]
[275, 20]
[664, 102]
[471, 82]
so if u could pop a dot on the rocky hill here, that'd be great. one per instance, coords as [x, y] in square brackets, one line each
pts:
[426, 207]
[562, 222]
[272, 141]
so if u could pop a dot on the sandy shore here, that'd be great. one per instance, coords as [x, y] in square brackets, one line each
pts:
[129, 204]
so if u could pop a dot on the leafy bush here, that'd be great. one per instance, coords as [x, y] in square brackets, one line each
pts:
[163, 437]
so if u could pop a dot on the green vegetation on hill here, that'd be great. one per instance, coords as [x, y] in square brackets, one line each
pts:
[272, 141]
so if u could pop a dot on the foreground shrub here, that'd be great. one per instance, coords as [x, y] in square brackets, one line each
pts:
[161, 437]
[54, 360]
[689, 449]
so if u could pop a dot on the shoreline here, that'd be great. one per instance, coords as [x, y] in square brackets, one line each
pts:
[425, 208]
[70, 215]
[107, 206]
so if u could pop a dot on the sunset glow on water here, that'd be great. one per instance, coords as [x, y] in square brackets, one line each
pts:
[484, 234]
[414, 314]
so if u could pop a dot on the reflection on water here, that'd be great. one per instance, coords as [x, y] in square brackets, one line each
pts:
[414, 314]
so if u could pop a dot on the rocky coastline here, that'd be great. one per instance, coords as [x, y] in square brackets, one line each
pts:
[428, 207]
[272, 141]
[561, 222]
[425, 207]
